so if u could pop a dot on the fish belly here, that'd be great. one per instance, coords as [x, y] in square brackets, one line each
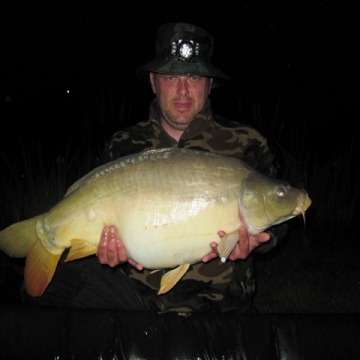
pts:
[163, 239]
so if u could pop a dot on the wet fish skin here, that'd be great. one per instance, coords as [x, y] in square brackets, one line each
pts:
[167, 204]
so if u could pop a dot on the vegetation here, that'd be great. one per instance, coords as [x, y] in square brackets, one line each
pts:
[314, 269]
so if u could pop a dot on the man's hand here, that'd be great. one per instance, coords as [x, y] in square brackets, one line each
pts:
[246, 244]
[111, 249]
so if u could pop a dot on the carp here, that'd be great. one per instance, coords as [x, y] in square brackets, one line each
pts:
[167, 204]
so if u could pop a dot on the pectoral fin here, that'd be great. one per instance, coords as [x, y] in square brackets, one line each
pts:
[169, 280]
[227, 243]
[79, 249]
[154, 271]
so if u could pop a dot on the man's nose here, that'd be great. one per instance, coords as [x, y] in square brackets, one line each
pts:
[182, 89]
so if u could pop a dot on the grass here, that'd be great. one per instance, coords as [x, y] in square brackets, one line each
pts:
[312, 271]
[315, 269]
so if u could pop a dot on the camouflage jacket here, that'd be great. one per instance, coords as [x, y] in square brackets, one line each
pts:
[211, 286]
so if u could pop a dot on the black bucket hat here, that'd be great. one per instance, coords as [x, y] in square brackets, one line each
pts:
[181, 49]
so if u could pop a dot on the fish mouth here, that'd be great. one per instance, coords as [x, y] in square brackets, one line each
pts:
[303, 205]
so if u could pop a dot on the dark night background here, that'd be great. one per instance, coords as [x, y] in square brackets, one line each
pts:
[300, 55]
[67, 76]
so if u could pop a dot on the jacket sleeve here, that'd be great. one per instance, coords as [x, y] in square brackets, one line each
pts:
[277, 233]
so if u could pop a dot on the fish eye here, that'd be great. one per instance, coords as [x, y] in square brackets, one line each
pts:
[281, 192]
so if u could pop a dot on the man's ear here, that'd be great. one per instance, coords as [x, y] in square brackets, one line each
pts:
[152, 82]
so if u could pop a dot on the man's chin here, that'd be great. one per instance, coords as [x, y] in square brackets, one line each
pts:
[179, 119]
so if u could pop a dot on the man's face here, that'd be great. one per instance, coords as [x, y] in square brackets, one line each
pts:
[180, 97]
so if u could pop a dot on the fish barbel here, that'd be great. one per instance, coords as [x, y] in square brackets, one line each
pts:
[168, 206]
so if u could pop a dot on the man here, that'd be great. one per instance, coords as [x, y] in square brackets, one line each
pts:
[182, 77]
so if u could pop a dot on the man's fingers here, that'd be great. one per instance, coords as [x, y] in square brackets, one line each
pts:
[243, 236]
[241, 249]
[108, 248]
[135, 264]
[103, 244]
[213, 254]
[111, 245]
[209, 257]
[121, 252]
[263, 237]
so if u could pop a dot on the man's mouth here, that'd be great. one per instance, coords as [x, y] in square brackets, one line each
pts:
[183, 105]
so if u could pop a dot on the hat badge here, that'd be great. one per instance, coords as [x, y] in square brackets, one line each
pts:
[185, 49]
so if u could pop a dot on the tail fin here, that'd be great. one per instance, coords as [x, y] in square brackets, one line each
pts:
[21, 240]
[17, 239]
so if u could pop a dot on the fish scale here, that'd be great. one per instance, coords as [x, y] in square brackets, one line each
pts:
[168, 206]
